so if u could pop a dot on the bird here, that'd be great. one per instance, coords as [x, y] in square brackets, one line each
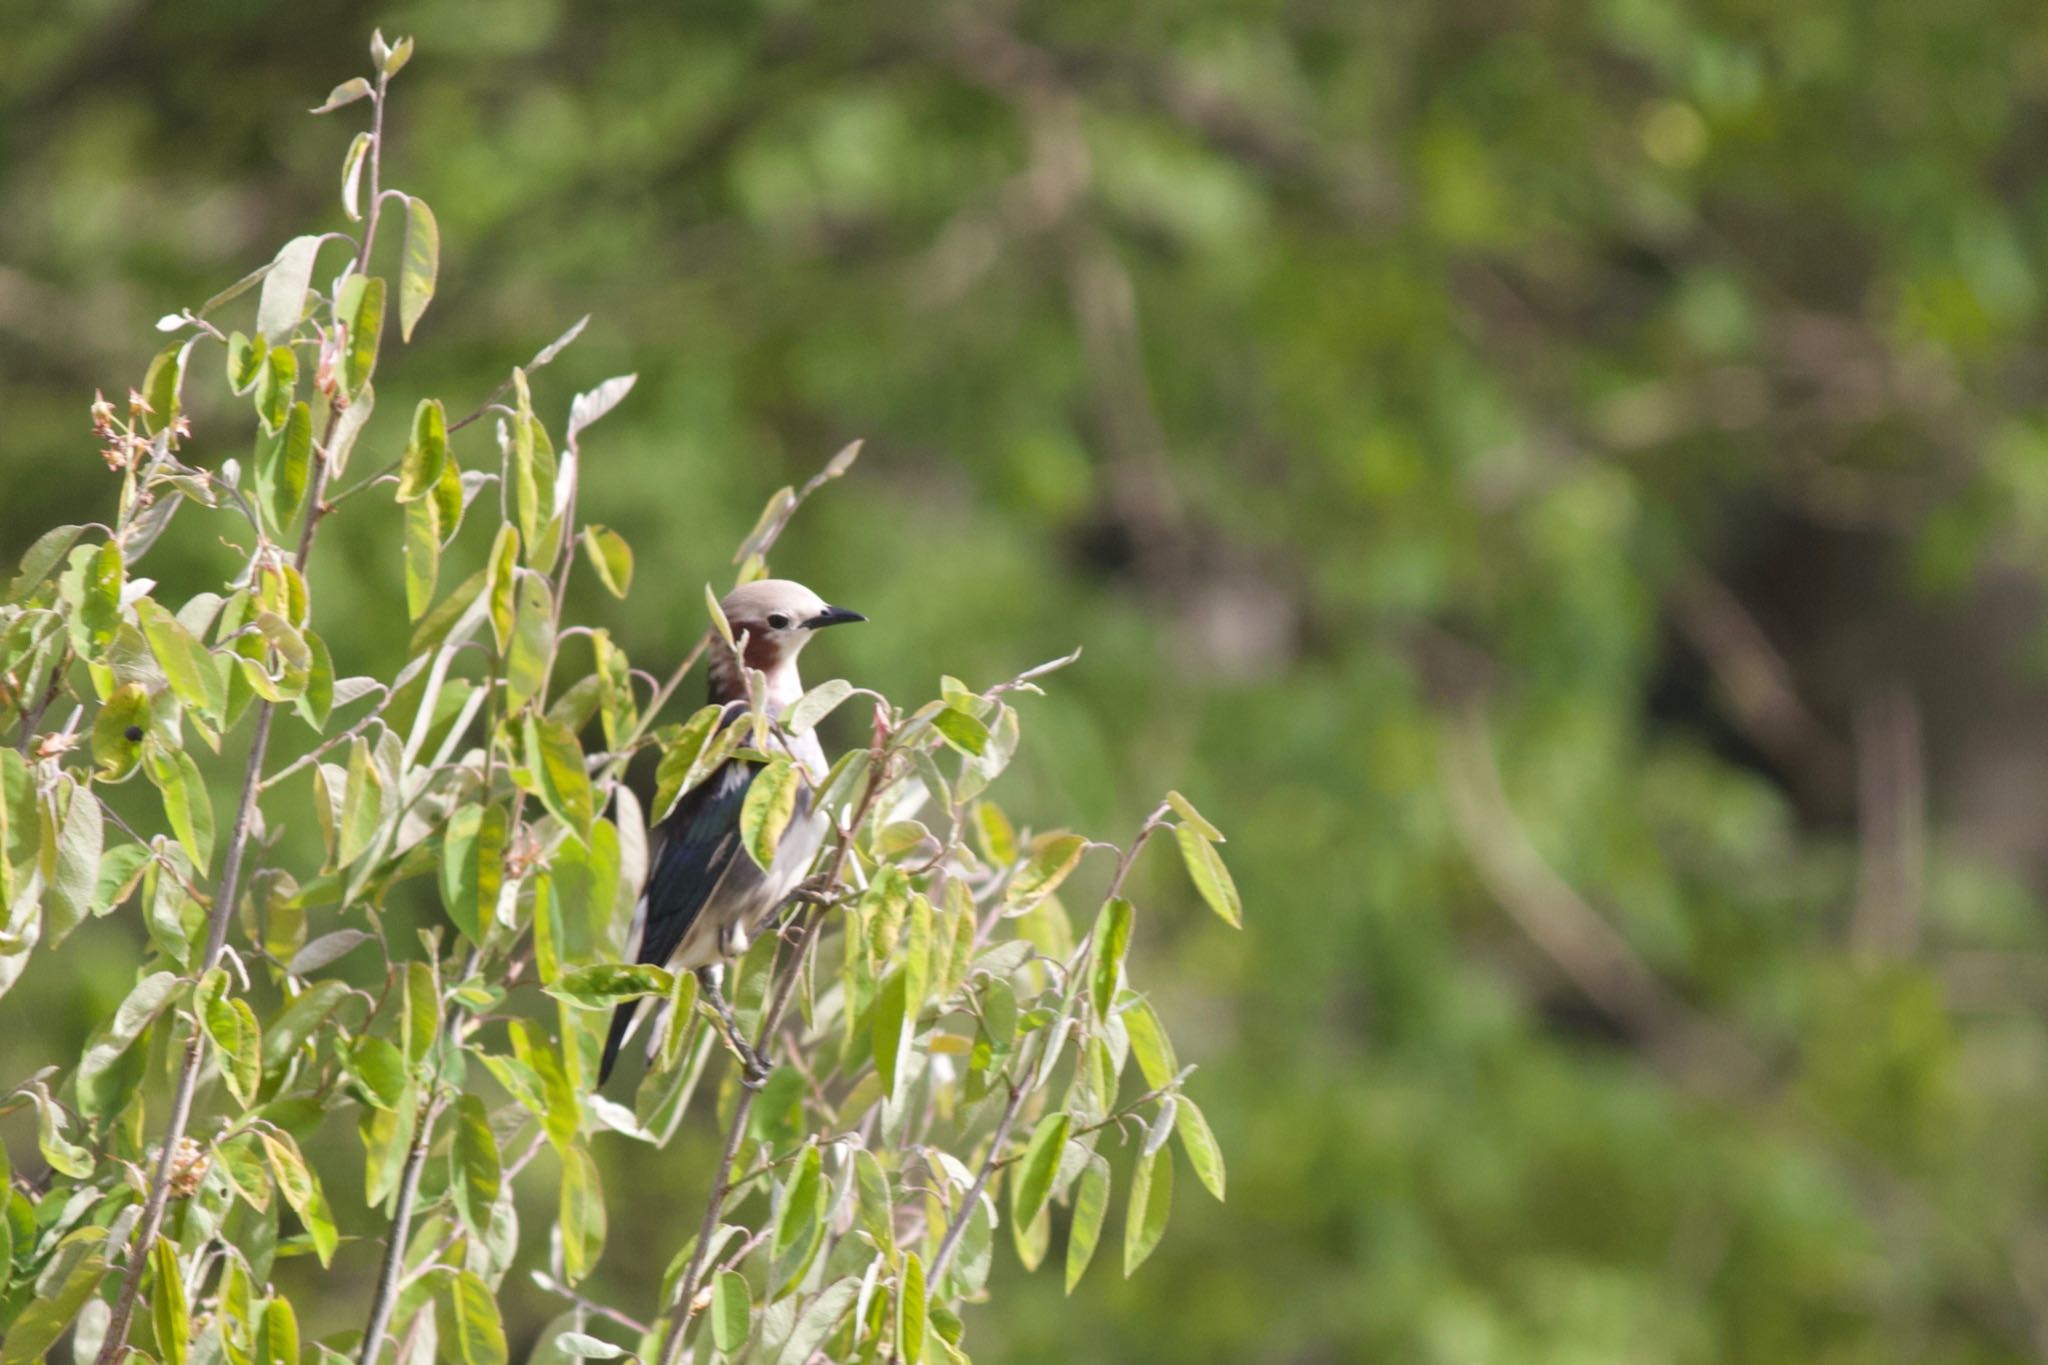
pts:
[705, 897]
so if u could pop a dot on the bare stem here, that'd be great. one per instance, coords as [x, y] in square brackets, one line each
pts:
[401, 1221]
[951, 1241]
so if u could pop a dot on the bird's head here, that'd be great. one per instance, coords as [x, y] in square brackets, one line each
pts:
[778, 617]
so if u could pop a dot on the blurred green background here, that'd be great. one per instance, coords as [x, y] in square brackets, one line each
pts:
[1564, 486]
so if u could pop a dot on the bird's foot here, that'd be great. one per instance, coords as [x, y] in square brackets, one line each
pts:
[823, 889]
[754, 1068]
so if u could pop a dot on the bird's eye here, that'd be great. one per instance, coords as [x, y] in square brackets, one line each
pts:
[777, 621]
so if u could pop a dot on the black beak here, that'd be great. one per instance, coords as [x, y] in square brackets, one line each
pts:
[834, 616]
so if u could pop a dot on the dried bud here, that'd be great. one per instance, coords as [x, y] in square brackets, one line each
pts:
[49, 746]
[188, 1168]
[138, 406]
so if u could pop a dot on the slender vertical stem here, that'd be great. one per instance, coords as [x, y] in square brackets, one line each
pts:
[388, 1274]
[115, 1342]
[951, 1241]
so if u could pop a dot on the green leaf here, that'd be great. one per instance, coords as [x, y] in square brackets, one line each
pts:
[244, 362]
[1151, 1046]
[301, 1189]
[278, 1342]
[283, 300]
[69, 1278]
[1200, 1145]
[1056, 856]
[77, 843]
[610, 557]
[21, 830]
[886, 1036]
[1145, 1216]
[125, 711]
[284, 468]
[1112, 939]
[422, 556]
[1186, 810]
[1035, 1172]
[471, 1332]
[816, 704]
[419, 469]
[102, 1086]
[168, 1314]
[348, 92]
[232, 1026]
[877, 1202]
[186, 802]
[799, 1225]
[474, 1169]
[606, 984]
[1211, 877]
[817, 1322]
[680, 768]
[422, 264]
[380, 1066]
[186, 663]
[911, 1309]
[45, 554]
[362, 804]
[582, 1213]
[731, 1310]
[770, 804]
[365, 330]
[961, 730]
[583, 1346]
[1091, 1204]
[99, 601]
[556, 759]
[276, 383]
[296, 1022]
[472, 867]
[160, 388]
[352, 165]
[354, 417]
[532, 647]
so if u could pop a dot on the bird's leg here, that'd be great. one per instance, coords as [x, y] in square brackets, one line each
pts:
[754, 1067]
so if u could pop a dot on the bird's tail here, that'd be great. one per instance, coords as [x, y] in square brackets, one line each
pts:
[622, 1025]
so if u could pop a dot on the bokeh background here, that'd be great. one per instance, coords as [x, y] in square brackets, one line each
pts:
[1565, 486]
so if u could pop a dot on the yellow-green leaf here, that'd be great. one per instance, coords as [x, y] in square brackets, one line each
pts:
[1211, 877]
[611, 557]
[1091, 1204]
[770, 804]
[1145, 1216]
[421, 265]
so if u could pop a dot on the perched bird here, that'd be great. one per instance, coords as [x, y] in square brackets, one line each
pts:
[705, 897]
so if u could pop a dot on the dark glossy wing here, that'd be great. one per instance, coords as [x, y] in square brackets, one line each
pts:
[694, 848]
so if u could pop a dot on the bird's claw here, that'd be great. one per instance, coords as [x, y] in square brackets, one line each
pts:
[754, 1068]
[822, 890]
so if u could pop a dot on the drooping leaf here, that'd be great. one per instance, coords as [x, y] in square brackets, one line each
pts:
[466, 1313]
[610, 557]
[102, 1083]
[556, 760]
[474, 1168]
[1200, 1145]
[532, 645]
[422, 264]
[605, 984]
[1055, 857]
[582, 1214]
[1211, 877]
[186, 803]
[1112, 939]
[365, 332]
[770, 804]
[1032, 1181]
[1151, 1200]
[731, 1310]
[283, 300]
[191, 670]
[961, 730]
[911, 1308]
[168, 1313]
[1091, 1205]
[419, 469]
[472, 866]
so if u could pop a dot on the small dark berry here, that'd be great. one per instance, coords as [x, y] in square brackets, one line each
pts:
[133, 734]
